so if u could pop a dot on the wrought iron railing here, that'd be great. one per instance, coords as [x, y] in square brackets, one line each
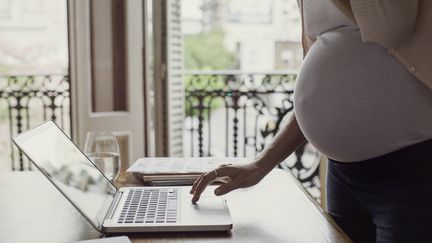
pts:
[228, 114]
[25, 101]
[232, 113]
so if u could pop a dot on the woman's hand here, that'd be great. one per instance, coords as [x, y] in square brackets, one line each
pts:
[287, 140]
[233, 177]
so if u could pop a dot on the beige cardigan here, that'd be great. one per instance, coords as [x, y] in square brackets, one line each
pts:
[403, 26]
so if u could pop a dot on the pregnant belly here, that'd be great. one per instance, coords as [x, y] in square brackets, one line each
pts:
[355, 101]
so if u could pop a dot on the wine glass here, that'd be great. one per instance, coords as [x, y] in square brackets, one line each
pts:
[103, 150]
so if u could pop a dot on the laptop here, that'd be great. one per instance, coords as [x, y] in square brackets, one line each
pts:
[117, 210]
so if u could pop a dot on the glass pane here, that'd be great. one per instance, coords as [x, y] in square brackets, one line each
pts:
[108, 54]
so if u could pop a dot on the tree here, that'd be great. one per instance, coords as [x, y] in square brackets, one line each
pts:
[207, 51]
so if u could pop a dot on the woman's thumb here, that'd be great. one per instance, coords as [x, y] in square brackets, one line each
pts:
[224, 189]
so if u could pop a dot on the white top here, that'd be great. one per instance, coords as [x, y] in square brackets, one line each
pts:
[353, 100]
[321, 16]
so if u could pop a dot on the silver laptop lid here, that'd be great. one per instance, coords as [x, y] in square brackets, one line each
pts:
[71, 172]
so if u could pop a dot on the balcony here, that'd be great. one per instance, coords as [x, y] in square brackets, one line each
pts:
[228, 113]
[25, 101]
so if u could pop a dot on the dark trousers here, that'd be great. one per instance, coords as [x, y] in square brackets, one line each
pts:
[384, 199]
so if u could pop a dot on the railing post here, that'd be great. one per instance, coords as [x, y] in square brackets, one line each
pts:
[200, 125]
[18, 107]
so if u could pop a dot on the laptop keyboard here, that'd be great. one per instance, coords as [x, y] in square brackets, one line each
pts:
[150, 206]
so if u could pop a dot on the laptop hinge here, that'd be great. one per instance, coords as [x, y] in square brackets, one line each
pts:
[114, 205]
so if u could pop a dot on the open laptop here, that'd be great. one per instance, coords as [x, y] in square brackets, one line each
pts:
[112, 210]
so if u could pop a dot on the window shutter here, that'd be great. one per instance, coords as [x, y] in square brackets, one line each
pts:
[174, 78]
[169, 87]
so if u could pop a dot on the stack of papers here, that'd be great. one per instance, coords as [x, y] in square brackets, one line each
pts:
[161, 171]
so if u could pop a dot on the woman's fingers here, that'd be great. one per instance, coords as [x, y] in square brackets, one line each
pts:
[234, 177]
[206, 179]
[225, 188]
[224, 179]
[196, 182]
[202, 184]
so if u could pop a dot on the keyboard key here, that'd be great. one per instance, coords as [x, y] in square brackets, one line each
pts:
[150, 206]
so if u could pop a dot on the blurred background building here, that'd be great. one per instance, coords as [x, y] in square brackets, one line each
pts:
[261, 35]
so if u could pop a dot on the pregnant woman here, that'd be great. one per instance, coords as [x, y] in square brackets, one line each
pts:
[366, 107]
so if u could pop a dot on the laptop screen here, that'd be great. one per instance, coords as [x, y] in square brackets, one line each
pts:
[69, 170]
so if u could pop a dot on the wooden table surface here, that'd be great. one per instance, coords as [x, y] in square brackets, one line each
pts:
[276, 210]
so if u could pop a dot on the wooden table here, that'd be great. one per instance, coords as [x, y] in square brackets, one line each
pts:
[276, 210]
